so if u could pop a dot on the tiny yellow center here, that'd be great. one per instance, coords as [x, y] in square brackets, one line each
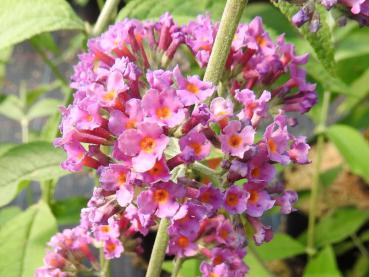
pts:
[235, 141]
[163, 112]
[148, 144]
[192, 88]
[232, 199]
[161, 195]
[109, 95]
[272, 145]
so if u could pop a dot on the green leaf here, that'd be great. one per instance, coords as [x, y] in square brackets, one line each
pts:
[33, 94]
[5, 55]
[11, 107]
[189, 268]
[67, 211]
[257, 269]
[323, 265]
[36, 161]
[329, 176]
[47, 42]
[353, 148]
[22, 19]
[338, 226]
[8, 213]
[353, 45]
[321, 41]
[44, 107]
[282, 246]
[23, 241]
[5, 147]
[361, 267]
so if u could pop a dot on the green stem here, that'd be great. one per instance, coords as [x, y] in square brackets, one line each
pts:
[222, 44]
[316, 178]
[104, 17]
[158, 251]
[177, 267]
[207, 171]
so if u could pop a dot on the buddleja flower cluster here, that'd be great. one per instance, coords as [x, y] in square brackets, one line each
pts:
[153, 132]
[355, 9]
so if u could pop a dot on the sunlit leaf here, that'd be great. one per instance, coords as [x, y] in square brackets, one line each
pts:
[22, 19]
[324, 264]
[23, 241]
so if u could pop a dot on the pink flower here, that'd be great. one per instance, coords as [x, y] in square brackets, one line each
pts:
[145, 144]
[211, 197]
[194, 146]
[276, 137]
[192, 90]
[221, 109]
[286, 200]
[163, 107]
[259, 200]
[208, 270]
[115, 176]
[119, 121]
[160, 199]
[236, 141]
[113, 248]
[107, 231]
[159, 172]
[235, 200]
[299, 151]
[159, 79]
[181, 245]
[262, 233]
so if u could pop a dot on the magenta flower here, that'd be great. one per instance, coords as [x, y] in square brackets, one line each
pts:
[119, 121]
[163, 107]
[253, 109]
[221, 109]
[235, 200]
[211, 197]
[208, 270]
[276, 137]
[235, 141]
[181, 245]
[259, 168]
[286, 201]
[113, 248]
[159, 79]
[160, 199]
[299, 151]
[262, 233]
[194, 146]
[159, 172]
[107, 231]
[145, 144]
[259, 201]
[115, 176]
[192, 90]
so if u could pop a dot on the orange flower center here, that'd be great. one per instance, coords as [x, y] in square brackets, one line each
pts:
[161, 195]
[232, 199]
[255, 172]
[196, 147]
[223, 234]
[163, 112]
[218, 260]
[109, 95]
[105, 228]
[192, 88]
[235, 141]
[131, 123]
[183, 242]
[261, 41]
[254, 196]
[272, 145]
[205, 197]
[89, 118]
[110, 247]
[213, 274]
[157, 169]
[122, 178]
[148, 144]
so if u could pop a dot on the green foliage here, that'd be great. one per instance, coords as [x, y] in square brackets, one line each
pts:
[67, 211]
[23, 241]
[282, 246]
[37, 161]
[8, 213]
[353, 148]
[338, 226]
[22, 19]
[257, 268]
[189, 268]
[324, 264]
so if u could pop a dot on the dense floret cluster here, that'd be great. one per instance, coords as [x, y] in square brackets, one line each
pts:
[166, 144]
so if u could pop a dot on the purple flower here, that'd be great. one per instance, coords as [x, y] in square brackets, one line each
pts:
[50, 272]
[140, 222]
[113, 248]
[115, 176]
[286, 200]
[235, 141]
[159, 79]
[259, 200]
[235, 200]
[211, 197]
[262, 233]
[192, 90]
[181, 245]
[163, 107]
[219, 270]
[194, 146]
[221, 109]
[107, 231]
[145, 144]
[119, 121]
[160, 199]
[253, 109]
[299, 151]
[276, 137]
[159, 172]
[259, 168]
